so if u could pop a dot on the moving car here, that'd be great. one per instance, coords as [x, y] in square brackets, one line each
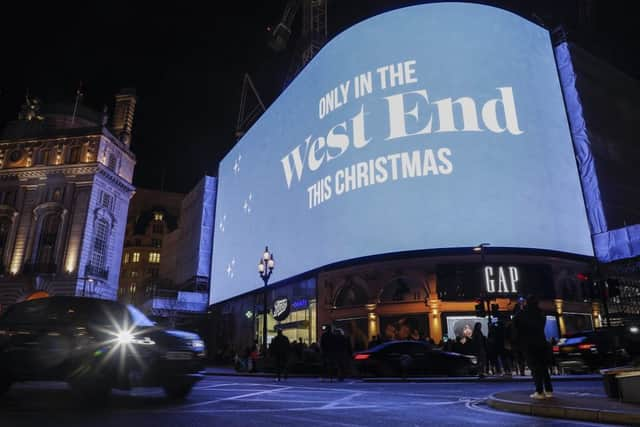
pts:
[588, 351]
[95, 345]
[402, 358]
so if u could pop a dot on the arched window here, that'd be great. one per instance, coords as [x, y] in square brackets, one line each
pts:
[100, 244]
[351, 294]
[48, 238]
[403, 289]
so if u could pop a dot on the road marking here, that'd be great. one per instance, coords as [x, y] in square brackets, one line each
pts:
[336, 402]
[209, 387]
[242, 396]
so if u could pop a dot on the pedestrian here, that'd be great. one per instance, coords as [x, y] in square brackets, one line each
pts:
[537, 351]
[328, 351]
[479, 348]
[280, 348]
[512, 343]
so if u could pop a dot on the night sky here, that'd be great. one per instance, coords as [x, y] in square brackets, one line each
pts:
[187, 64]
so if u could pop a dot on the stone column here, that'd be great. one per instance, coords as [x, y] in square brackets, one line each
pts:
[435, 325]
[372, 321]
[559, 303]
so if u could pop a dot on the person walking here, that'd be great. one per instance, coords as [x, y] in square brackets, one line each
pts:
[280, 348]
[328, 350]
[479, 346]
[512, 343]
[529, 325]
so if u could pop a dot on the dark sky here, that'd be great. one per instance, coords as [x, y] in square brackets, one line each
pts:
[187, 64]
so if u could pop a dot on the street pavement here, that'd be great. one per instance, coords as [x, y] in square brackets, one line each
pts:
[261, 401]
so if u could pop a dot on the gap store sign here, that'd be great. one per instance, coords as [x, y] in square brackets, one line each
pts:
[433, 126]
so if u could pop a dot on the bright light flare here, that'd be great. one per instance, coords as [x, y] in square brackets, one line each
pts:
[124, 337]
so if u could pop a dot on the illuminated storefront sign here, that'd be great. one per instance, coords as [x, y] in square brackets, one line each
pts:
[501, 279]
[300, 304]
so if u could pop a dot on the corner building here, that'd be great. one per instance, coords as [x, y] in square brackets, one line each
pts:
[65, 185]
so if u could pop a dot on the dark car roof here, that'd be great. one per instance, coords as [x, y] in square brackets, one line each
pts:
[41, 309]
[398, 342]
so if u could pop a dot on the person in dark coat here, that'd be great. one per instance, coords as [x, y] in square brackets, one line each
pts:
[280, 348]
[512, 344]
[479, 346]
[328, 348]
[529, 325]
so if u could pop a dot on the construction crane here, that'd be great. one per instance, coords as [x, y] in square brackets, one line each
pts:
[313, 36]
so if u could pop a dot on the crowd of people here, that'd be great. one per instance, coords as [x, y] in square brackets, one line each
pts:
[511, 344]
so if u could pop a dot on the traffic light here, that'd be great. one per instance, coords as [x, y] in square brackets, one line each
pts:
[495, 310]
[480, 310]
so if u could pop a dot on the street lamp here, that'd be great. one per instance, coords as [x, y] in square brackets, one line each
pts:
[265, 268]
[481, 250]
[84, 284]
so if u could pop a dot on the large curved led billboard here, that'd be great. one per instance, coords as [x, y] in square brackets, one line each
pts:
[433, 126]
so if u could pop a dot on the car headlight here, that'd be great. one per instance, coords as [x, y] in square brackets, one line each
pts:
[473, 359]
[124, 337]
[197, 345]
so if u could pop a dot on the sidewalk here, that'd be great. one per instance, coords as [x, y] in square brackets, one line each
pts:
[230, 371]
[568, 405]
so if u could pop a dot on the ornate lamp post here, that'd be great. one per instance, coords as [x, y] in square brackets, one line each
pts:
[265, 268]
[486, 298]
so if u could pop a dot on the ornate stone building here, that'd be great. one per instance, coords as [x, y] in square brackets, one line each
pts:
[65, 184]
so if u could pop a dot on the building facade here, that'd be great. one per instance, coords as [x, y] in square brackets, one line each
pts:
[65, 184]
[153, 215]
[186, 265]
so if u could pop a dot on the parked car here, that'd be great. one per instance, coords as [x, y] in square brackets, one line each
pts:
[95, 345]
[403, 358]
[588, 351]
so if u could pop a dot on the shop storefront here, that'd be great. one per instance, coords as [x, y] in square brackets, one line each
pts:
[435, 297]
[291, 307]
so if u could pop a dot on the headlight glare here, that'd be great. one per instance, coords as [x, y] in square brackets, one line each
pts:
[124, 337]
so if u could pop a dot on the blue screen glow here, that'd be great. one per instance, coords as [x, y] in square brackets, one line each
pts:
[433, 126]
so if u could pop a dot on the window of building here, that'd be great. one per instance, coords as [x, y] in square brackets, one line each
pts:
[112, 162]
[154, 257]
[133, 274]
[45, 157]
[56, 195]
[154, 272]
[47, 242]
[101, 236]
[135, 257]
[158, 228]
[106, 200]
[156, 243]
[74, 155]
[137, 242]
[126, 258]
[132, 289]
[158, 216]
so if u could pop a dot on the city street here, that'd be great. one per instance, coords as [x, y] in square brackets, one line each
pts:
[242, 401]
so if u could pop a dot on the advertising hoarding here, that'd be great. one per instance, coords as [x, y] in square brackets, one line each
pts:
[433, 126]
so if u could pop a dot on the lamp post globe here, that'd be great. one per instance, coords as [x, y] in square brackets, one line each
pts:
[265, 268]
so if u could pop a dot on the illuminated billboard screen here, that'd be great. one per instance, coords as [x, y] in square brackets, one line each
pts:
[433, 126]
